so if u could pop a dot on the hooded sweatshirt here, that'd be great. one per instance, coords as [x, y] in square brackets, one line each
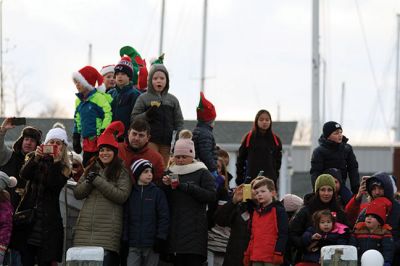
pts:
[167, 117]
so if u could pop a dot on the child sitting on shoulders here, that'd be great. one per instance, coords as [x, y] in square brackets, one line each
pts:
[374, 233]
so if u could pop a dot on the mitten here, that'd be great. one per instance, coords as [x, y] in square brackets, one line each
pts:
[90, 177]
[151, 111]
[76, 143]
[277, 259]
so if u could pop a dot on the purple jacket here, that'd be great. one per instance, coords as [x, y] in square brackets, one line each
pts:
[6, 213]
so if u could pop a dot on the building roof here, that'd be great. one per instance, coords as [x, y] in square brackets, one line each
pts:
[225, 132]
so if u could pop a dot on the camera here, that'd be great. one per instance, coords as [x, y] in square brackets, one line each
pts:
[49, 149]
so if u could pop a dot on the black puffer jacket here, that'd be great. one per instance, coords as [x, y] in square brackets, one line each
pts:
[204, 144]
[187, 203]
[330, 154]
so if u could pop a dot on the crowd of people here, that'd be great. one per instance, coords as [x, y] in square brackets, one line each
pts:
[152, 190]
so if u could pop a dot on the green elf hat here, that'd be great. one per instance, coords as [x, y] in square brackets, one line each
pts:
[136, 59]
[205, 110]
[159, 60]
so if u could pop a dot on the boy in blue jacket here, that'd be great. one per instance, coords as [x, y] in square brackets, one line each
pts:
[146, 217]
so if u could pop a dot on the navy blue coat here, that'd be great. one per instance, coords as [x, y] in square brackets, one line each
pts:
[146, 216]
[204, 145]
[124, 100]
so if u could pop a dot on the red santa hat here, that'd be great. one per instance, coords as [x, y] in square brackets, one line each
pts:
[379, 208]
[107, 69]
[110, 135]
[205, 110]
[88, 76]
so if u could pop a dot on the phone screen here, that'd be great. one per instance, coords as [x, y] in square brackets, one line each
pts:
[17, 121]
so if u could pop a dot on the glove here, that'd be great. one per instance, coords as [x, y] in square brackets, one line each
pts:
[151, 111]
[91, 176]
[277, 259]
[76, 143]
[159, 245]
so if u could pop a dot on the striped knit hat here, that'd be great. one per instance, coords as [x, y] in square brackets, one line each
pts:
[139, 166]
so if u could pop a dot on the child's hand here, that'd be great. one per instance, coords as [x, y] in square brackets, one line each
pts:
[238, 194]
[316, 236]
[166, 180]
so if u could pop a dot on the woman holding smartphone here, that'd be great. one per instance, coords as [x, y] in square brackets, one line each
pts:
[105, 185]
[189, 188]
[47, 173]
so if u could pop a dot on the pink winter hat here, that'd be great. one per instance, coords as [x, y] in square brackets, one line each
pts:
[184, 147]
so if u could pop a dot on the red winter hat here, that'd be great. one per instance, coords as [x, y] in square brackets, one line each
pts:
[379, 208]
[88, 76]
[205, 110]
[110, 135]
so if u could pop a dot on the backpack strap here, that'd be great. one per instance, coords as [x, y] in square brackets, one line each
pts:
[275, 139]
[248, 137]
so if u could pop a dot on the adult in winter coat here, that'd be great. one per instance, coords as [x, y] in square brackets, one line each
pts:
[324, 198]
[47, 173]
[376, 186]
[261, 150]
[334, 152]
[343, 193]
[105, 186]
[11, 160]
[188, 201]
[230, 215]
[161, 109]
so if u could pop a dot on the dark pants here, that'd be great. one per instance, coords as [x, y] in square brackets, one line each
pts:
[189, 259]
[30, 255]
[111, 258]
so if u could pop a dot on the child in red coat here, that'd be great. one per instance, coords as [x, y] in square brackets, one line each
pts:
[269, 228]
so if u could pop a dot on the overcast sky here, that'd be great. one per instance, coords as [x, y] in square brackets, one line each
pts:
[258, 54]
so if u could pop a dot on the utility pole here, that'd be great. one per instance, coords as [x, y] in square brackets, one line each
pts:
[203, 48]
[315, 122]
[397, 87]
[162, 27]
[342, 103]
[2, 102]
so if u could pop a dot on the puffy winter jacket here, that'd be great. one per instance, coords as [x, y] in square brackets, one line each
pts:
[188, 203]
[204, 144]
[330, 154]
[101, 217]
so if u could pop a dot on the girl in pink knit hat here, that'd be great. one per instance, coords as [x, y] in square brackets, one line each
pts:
[189, 187]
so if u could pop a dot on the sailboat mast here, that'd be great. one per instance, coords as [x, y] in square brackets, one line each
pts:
[160, 51]
[315, 123]
[397, 87]
[203, 48]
